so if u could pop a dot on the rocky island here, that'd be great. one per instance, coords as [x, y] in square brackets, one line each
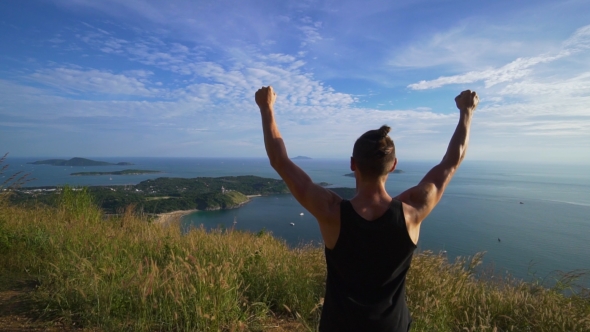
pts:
[301, 158]
[77, 162]
[123, 172]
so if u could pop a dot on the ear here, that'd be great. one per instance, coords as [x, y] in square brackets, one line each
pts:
[394, 164]
[352, 164]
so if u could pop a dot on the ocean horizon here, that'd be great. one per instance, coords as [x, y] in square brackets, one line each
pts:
[531, 220]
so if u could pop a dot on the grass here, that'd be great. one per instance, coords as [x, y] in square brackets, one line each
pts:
[126, 274]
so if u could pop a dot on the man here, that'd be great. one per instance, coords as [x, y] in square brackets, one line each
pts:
[369, 240]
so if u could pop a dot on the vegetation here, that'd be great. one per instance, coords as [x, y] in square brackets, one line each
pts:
[125, 274]
[247, 184]
[165, 194]
[123, 172]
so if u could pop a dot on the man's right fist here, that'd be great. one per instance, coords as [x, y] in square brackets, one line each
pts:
[467, 100]
[265, 97]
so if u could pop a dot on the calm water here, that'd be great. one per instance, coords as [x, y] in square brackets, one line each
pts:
[548, 232]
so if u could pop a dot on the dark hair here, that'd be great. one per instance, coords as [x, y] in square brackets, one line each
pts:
[374, 153]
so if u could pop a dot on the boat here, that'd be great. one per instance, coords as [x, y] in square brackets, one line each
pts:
[301, 214]
[292, 224]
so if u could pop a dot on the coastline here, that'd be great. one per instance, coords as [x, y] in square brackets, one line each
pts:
[168, 217]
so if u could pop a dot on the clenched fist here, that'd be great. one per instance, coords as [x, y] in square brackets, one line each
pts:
[265, 97]
[467, 101]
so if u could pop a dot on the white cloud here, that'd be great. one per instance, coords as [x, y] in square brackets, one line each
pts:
[93, 81]
[537, 105]
[460, 47]
[234, 78]
[517, 69]
[559, 89]
[311, 34]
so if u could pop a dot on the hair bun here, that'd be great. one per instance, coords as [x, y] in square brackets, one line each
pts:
[384, 130]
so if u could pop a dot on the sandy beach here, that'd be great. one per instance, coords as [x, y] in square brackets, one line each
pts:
[166, 218]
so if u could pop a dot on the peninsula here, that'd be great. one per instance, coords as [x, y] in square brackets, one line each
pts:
[77, 162]
[123, 172]
[162, 195]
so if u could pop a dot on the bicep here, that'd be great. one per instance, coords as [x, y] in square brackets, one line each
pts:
[424, 197]
[315, 198]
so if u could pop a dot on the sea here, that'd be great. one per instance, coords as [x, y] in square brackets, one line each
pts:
[532, 221]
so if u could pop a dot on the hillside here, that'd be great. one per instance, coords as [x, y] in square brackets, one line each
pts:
[164, 194]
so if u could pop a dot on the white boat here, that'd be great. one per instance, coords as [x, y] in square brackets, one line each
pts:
[292, 224]
[301, 214]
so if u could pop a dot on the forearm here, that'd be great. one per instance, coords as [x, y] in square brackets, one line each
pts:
[273, 142]
[459, 141]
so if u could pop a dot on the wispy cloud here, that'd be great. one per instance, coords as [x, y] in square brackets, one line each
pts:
[310, 31]
[519, 68]
[94, 81]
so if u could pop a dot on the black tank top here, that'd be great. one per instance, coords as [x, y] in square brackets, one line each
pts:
[366, 282]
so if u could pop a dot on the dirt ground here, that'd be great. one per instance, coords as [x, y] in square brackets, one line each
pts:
[17, 313]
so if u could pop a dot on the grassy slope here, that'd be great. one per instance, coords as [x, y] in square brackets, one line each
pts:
[127, 274]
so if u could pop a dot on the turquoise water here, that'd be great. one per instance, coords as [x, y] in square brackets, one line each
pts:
[548, 232]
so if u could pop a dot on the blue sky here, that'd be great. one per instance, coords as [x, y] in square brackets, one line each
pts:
[177, 78]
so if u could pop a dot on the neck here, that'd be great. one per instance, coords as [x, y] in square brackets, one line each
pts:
[372, 190]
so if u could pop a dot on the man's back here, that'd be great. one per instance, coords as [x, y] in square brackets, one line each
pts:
[365, 288]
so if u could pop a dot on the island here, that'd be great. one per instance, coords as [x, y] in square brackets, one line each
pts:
[164, 194]
[301, 158]
[397, 171]
[77, 162]
[123, 172]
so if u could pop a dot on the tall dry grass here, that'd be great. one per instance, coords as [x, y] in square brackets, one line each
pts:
[448, 297]
[126, 274]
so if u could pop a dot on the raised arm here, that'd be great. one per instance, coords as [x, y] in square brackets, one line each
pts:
[421, 199]
[320, 202]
